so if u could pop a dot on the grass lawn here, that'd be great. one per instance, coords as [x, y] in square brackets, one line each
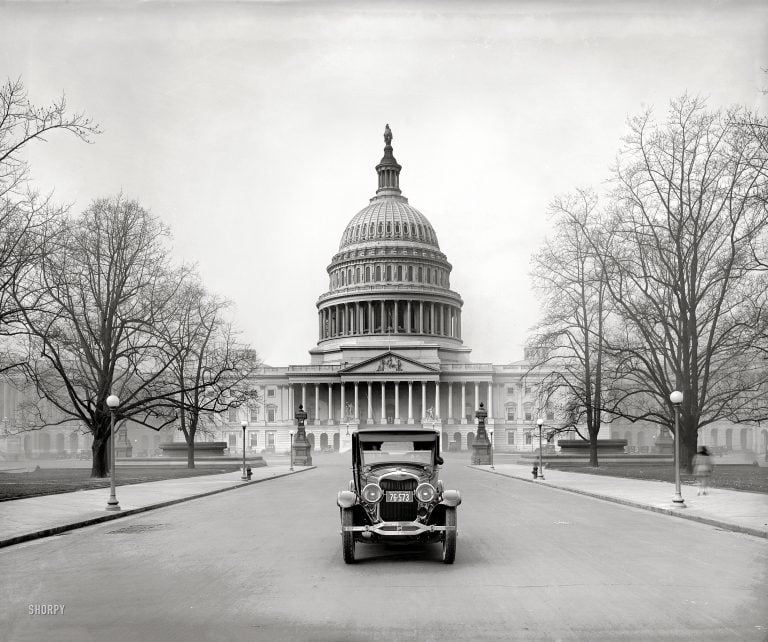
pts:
[47, 481]
[751, 478]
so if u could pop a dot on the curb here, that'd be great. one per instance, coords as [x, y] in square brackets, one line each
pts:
[55, 530]
[674, 512]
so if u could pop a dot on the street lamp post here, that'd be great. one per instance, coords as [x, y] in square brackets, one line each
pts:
[677, 398]
[490, 433]
[113, 401]
[291, 433]
[244, 424]
[540, 424]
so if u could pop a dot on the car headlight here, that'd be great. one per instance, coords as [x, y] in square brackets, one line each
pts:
[425, 493]
[372, 493]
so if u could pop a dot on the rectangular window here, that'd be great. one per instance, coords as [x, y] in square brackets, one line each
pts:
[510, 438]
[270, 392]
[271, 415]
[510, 390]
[271, 440]
[529, 414]
[232, 415]
[254, 413]
[254, 439]
[527, 439]
[527, 390]
[233, 440]
[510, 413]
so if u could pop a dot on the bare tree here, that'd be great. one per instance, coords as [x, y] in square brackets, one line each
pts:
[570, 341]
[91, 308]
[209, 367]
[26, 218]
[686, 259]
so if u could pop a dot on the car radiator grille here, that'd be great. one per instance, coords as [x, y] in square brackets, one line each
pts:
[398, 511]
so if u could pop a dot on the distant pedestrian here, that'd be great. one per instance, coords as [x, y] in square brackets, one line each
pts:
[702, 469]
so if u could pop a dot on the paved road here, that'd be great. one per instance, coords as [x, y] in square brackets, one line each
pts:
[264, 563]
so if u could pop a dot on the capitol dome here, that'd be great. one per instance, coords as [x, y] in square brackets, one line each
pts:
[389, 281]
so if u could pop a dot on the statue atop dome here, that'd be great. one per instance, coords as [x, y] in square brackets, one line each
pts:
[387, 135]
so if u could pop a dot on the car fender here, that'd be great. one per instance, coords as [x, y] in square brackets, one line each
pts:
[346, 499]
[451, 498]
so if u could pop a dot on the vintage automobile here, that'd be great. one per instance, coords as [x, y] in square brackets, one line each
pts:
[395, 494]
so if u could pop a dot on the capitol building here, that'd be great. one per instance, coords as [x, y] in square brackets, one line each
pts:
[389, 345]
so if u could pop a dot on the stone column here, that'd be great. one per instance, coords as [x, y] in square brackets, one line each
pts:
[317, 405]
[477, 395]
[423, 400]
[303, 395]
[357, 411]
[383, 402]
[490, 402]
[370, 317]
[383, 315]
[450, 402]
[421, 317]
[343, 413]
[408, 317]
[369, 420]
[395, 312]
[437, 399]
[432, 318]
[410, 402]
[397, 402]
[291, 403]
[463, 402]
[330, 404]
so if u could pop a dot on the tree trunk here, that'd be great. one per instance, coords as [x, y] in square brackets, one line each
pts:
[593, 450]
[100, 451]
[688, 448]
[191, 452]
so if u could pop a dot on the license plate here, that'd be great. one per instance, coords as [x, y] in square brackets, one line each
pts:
[399, 496]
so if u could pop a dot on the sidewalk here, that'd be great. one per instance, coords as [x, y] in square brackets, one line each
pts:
[26, 519]
[730, 509]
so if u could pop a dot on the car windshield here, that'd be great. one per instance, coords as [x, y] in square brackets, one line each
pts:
[407, 450]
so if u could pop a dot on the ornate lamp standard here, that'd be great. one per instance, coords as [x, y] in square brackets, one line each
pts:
[113, 401]
[301, 445]
[481, 448]
[244, 424]
[540, 424]
[677, 398]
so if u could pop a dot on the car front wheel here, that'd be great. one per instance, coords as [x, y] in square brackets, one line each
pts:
[347, 537]
[449, 541]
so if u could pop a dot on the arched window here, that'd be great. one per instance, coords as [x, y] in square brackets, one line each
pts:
[367, 273]
[389, 273]
[397, 228]
[371, 229]
[389, 228]
[420, 277]
[399, 272]
[357, 275]
[378, 273]
[349, 276]
[342, 278]
[410, 273]
[381, 229]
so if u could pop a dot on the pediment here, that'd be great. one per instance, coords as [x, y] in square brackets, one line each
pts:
[389, 363]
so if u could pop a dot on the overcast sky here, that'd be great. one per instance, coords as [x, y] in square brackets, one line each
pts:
[253, 128]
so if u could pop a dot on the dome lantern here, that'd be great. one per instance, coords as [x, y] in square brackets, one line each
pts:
[388, 169]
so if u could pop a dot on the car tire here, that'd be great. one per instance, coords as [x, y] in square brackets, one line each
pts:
[347, 537]
[449, 540]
